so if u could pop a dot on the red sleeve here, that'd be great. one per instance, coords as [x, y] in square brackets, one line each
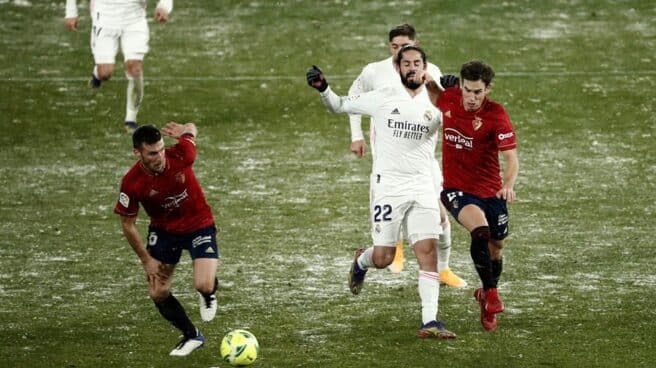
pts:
[127, 203]
[185, 150]
[505, 136]
[446, 98]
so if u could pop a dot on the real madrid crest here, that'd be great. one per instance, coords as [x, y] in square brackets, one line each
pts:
[428, 115]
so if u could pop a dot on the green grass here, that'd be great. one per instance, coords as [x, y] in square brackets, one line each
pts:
[291, 201]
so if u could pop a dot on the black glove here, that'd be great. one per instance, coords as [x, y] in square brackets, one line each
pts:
[316, 79]
[448, 80]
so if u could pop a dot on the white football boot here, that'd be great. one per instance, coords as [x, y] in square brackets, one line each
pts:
[207, 307]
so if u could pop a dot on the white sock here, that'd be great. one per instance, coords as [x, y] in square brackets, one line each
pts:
[95, 71]
[366, 259]
[444, 241]
[429, 293]
[134, 96]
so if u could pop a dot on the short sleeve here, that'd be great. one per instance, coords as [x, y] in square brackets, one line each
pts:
[127, 203]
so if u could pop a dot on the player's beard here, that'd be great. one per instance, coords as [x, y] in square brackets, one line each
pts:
[410, 83]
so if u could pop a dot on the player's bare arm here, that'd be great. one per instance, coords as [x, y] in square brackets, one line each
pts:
[432, 87]
[510, 171]
[151, 265]
[176, 130]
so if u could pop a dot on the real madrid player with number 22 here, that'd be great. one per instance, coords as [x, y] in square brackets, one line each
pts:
[380, 74]
[475, 130]
[163, 181]
[402, 180]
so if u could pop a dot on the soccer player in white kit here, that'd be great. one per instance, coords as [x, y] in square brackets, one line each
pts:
[377, 75]
[402, 184]
[124, 22]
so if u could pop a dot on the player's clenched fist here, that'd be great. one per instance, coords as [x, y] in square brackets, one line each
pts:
[316, 79]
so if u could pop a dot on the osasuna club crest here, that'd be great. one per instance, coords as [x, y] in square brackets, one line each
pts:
[477, 123]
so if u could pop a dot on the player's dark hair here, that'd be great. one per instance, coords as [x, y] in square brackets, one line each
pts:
[403, 30]
[477, 70]
[148, 134]
[406, 48]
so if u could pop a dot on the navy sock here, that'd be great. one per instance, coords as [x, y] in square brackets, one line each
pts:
[171, 309]
[480, 254]
[497, 266]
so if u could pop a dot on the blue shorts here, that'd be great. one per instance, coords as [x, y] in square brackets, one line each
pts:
[167, 248]
[496, 212]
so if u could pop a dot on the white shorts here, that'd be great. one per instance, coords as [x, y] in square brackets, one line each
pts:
[417, 216]
[133, 40]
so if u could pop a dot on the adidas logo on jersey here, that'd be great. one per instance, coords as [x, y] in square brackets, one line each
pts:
[396, 111]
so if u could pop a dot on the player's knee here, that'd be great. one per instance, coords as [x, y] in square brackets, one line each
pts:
[481, 234]
[383, 260]
[133, 68]
[105, 72]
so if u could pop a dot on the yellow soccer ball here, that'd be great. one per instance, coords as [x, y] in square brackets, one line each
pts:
[239, 348]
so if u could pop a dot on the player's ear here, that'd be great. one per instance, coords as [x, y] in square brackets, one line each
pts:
[136, 153]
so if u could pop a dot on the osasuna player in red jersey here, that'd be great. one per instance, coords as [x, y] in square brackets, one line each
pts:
[180, 218]
[475, 129]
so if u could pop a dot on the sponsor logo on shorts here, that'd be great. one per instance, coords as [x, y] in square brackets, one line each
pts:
[199, 240]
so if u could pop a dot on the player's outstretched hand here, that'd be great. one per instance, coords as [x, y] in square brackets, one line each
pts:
[448, 80]
[316, 79]
[176, 130]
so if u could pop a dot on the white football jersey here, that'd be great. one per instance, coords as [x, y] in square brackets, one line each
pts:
[405, 131]
[116, 13]
[374, 76]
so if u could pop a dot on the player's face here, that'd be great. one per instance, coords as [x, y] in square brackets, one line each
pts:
[152, 156]
[411, 68]
[398, 42]
[473, 94]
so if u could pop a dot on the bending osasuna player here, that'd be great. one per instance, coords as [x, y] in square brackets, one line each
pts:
[163, 182]
[375, 76]
[121, 23]
[475, 129]
[402, 183]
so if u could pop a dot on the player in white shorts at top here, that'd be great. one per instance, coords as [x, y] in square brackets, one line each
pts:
[402, 185]
[114, 23]
[377, 75]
